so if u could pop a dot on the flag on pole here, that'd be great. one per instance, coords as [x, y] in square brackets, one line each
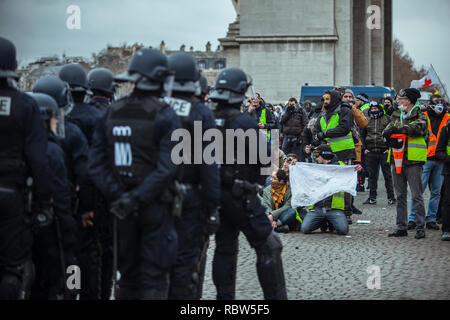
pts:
[430, 79]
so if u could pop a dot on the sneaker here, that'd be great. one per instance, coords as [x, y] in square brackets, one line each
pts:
[398, 233]
[282, 229]
[392, 202]
[370, 201]
[446, 236]
[360, 188]
[420, 234]
[411, 225]
[432, 226]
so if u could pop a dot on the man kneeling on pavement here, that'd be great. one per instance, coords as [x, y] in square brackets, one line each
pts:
[330, 210]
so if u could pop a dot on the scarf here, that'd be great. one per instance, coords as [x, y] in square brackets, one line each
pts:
[278, 190]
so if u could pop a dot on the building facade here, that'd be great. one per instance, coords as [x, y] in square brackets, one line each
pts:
[284, 44]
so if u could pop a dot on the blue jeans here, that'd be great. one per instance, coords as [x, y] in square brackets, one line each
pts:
[431, 177]
[288, 217]
[316, 217]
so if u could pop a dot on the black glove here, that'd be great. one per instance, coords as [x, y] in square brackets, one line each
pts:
[124, 206]
[387, 133]
[396, 143]
[290, 109]
[403, 130]
[213, 222]
[321, 136]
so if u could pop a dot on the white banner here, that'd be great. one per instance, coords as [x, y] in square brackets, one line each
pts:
[311, 183]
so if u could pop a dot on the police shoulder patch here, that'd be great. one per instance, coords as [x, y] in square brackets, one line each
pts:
[181, 107]
[5, 106]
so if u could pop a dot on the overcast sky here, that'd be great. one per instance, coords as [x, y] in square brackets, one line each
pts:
[38, 27]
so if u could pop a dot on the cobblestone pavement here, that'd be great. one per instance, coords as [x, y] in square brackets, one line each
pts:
[324, 266]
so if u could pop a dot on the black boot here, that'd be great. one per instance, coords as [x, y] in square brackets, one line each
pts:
[420, 234]
[269, 267]
[153, 294]
[126, 294]
[398, 233]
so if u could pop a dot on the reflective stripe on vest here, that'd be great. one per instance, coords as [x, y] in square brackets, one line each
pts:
[433, 140]
[338, 201]
[417, 149]
[339, 143]
[263, 120]
[297, 216]
[365, 107]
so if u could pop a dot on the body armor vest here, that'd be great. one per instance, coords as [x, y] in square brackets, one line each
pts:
[130, 133]
[12, 160]
[229, 172]
[184, 107]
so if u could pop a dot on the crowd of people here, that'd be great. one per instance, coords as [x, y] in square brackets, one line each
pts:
[368, 132]
[87, 181]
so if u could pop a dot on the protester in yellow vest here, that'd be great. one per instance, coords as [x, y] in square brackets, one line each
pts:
[411, 124]
[334, 126]
[329, 210]
[262, 114]
[432, 170]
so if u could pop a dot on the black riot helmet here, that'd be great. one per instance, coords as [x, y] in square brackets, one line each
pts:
[56, 88]
[75, 75]
[101, 79]
[149, 70]
[187, 75]
[231, 86]
[49, 109]
[8, 61]
[47, 105]
[204, 85]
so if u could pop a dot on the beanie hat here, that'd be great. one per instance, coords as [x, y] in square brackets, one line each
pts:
[349, 91]
[411, 93]
[363, 97]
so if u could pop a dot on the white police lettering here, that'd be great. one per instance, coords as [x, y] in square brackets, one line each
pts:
[123, 156]
[122, 131]
[5, 106]
[181, 107]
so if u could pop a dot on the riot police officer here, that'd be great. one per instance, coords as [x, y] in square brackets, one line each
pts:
[22, 140]
[83, 115]
[101, 84]
[199, 181]
[53, 247]
[131, 164]
[76, 152]
[241, 209]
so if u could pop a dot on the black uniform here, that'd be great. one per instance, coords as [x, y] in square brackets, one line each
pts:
[237, 215]
[131, 152]
[22, 141]
[202, 185]
[53, 247]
